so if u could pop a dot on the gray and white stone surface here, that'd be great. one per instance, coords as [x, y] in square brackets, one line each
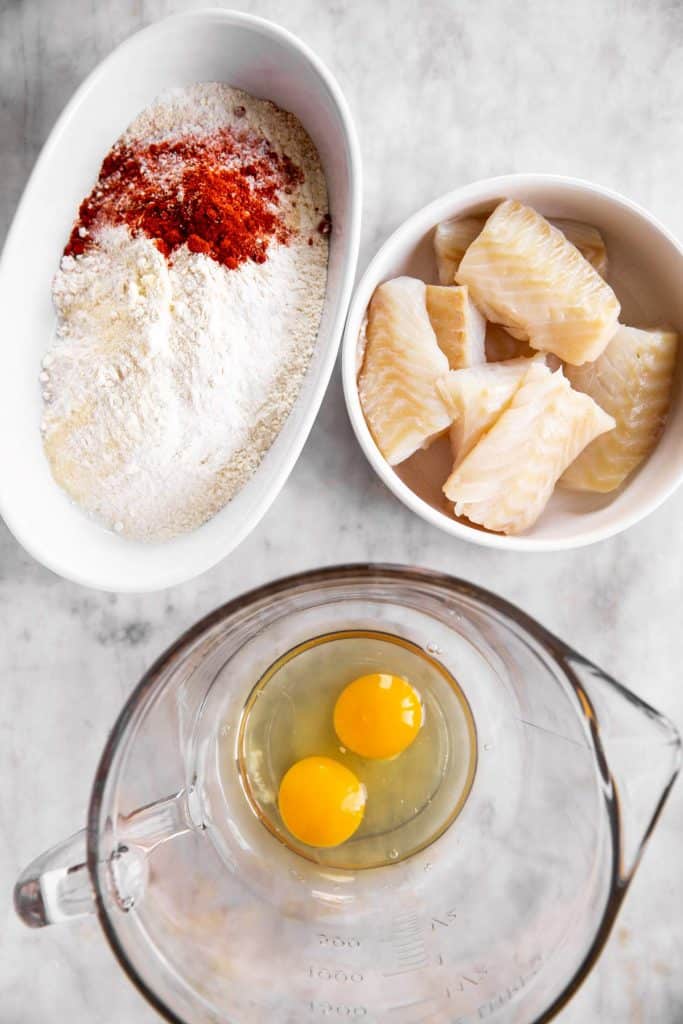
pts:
[443, 92]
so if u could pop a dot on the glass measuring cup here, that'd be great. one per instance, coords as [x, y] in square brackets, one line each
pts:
[499, 919]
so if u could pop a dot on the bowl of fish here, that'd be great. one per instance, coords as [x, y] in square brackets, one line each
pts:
[511, 366]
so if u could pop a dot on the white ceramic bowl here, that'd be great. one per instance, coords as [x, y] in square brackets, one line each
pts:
[646, 268]
[208, 45]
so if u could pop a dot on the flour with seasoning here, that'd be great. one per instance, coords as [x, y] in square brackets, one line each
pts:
[177, 362]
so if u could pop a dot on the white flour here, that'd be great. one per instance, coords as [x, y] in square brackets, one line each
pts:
[169, 381]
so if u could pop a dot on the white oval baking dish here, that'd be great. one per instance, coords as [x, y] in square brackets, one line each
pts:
[210, 45]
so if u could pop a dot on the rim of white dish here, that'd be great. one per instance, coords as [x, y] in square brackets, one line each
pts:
[421, 221]
[170, 577]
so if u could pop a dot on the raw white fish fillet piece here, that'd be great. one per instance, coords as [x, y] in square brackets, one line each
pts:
[397, 382]
[632, 382]
[361, 344]
[452, 238]
[587, 240]
[475, 399]
[459, 326]
[506, 480]
[523, 273]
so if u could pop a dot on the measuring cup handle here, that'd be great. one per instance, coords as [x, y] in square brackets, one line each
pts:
[55, 886]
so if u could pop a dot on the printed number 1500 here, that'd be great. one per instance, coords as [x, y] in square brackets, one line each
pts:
[338, 1010]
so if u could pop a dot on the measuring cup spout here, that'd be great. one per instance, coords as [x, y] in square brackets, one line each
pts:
[638, 751]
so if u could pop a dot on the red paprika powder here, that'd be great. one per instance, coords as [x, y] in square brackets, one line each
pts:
[217, 193]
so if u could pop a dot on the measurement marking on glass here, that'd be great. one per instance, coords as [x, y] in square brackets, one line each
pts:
[338, 941]
[551, 732]
[340, 975]
[339, 1009]
[409, 969]
[412, 1004]
[407, 933]
[408, 923]
[407, 944]
[439, 922]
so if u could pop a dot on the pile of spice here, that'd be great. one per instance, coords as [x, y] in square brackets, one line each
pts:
[189, 298]
[217, 194]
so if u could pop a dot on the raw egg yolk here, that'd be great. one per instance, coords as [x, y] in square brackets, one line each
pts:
[378, 716]
[321, 801]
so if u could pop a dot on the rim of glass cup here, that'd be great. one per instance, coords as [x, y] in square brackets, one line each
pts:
[367, 573]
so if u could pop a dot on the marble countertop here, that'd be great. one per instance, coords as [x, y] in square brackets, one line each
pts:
[443, 91]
